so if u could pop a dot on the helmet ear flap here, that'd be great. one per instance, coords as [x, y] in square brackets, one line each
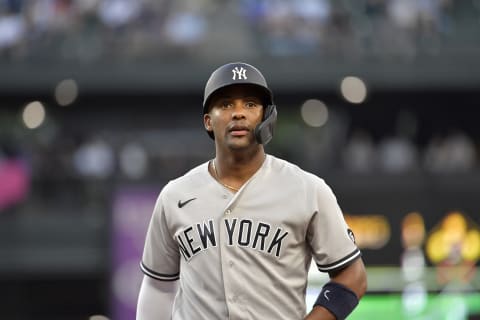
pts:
[264, 130]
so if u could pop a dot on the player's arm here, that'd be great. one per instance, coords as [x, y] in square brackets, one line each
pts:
[334, 250]
[161, 265]
[155, 299]
[346, 287]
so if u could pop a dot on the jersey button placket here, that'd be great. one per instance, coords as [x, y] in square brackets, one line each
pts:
[231, 293]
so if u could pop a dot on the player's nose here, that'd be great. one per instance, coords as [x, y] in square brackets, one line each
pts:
[238, 109]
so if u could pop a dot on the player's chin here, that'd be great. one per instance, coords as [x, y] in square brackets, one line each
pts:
[240, 142]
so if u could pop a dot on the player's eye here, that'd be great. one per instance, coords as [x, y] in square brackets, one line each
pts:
[251, 104]
[226, 104]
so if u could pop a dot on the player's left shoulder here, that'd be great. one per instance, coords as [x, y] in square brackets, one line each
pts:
[280, 165]
[302, 179]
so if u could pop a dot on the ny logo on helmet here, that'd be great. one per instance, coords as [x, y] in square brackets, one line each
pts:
[240, 73]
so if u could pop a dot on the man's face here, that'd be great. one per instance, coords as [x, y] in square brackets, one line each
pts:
[234, 113]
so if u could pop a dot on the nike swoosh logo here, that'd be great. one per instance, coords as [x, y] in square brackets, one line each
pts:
[325, 294]
[182, 204]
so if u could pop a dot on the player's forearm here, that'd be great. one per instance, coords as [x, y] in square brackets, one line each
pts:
[155, 299]
[341, 295]
[353, 277]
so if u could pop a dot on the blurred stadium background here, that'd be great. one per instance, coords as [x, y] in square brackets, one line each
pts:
[100, 105]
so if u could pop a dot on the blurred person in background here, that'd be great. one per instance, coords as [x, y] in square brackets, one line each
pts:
[14, 176]
[359, 153]
[235, 236]
[453, 153]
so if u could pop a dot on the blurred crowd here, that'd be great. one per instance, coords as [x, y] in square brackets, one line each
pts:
[454, 152]
[96, 30]
[71, 166]
[402, 147]
[59, 170]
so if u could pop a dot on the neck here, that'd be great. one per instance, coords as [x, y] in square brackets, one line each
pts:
[235, 169]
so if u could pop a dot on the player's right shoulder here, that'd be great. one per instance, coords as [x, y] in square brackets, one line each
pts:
[191, 180]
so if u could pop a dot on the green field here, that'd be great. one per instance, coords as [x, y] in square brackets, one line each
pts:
[387, 297]
[431, 307]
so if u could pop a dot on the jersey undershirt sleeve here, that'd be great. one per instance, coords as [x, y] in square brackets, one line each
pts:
[155, 299]
[161, 259]
[331, 241]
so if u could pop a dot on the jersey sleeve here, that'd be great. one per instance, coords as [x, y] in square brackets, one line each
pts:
[331, 241]
[161, 258]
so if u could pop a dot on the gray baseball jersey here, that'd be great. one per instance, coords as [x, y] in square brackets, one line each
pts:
[245, 255]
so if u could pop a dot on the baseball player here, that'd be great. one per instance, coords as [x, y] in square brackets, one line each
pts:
[234, 237]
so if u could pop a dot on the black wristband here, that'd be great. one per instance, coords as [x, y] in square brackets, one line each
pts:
[337, 299]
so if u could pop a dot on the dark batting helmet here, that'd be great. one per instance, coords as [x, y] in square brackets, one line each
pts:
[242, 73]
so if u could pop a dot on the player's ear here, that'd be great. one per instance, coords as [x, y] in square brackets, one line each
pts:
[207, 122]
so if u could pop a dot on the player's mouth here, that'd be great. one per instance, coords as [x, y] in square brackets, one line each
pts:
[238, 130]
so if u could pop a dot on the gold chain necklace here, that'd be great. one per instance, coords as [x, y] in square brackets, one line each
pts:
[218, 179]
